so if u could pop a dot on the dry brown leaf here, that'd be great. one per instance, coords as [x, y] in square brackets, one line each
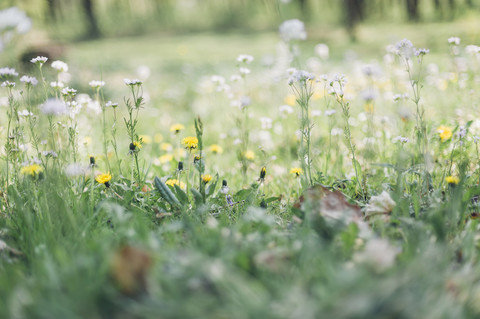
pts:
[129, 270]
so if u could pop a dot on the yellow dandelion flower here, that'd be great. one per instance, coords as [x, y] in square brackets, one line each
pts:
[87, 140]
[172, 182]
[216, 149]
[166, 147]
[444, 132]
[206, 178]
[250, 155]
[452, 180]
[190, 142]
[158, 138]
[31, 170]
[179, 153]
[165, 158]
[176, 128]
[146, 139]
[290, 100]
[104, 178]
[369, 107]
[297, 171]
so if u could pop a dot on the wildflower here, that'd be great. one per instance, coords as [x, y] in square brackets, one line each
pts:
[292, 30]
[180, 166]
[249, 155]
[172, 182]
[51, 154]
[54, 107]
[104, 179]
[57, 84]
[32, 170]
[111, 104]
[196, 159]
[229, 200]
[216, 149]
[330, 112]
[39, 60]
[322, 51]
[300, 76]
[29, 80]
[404, 48]
[452, 180]
[69, 92]
[245, 58]
[7, 72]
[266, 123]
[96, 84]
[158, 138]
[190, 142]
[165, 158]
[92, 161]
[444, 132]
[401, 139]
[206, 178]
[24, 113]
[297, 171]
[74, 170]
[133, 82]
[176, 128]
[224, 189]
[166, 147]
[60, 66]
[454, 40]
[146, 139]
[263, 172]
[8, 84]
[135, 146]
[421, 52]
[244, 71]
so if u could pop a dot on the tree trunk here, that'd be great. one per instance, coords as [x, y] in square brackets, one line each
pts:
[412, 10]
[93, 31]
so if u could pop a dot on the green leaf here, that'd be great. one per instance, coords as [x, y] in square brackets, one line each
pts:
[211, 187]
[181, 194]
[166, 193]
[198, 197]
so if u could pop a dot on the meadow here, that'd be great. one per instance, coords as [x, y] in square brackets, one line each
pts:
[265, 175]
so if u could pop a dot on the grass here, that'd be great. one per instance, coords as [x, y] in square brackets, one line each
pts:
[385, 235]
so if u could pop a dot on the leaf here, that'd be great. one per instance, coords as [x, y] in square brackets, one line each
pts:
[198, 197]
[166, 193]
[211, 187]
[181, 194]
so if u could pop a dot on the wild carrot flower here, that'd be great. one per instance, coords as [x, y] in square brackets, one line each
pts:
[216, 149]
[104, 179]
[444, 132]
[297, 171]
[452, 180]
[32, 170]
[176, 128]
[190, 142]
[206, 178]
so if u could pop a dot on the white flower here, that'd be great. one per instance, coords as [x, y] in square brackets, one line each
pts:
[111, 104]
[69, 91]
[421, 52]
[29, 80]
[401, 139]
[60, 66]
[8, 84]
[404, 48]
[235, 78]
[266, 123]
[380, 204]
[132, 82]
[292, 30]
[330, 112]
[25, 113]
[472, 49]
[14, 18]
[96, 84]
[285, 109]
[244, 71]
[378, 252]
[300, 76]
[398, 97]
[54, 107]
[217, 79]
[4, 72]
[57, 84]
[245, 58]
[454, 40]
[75, 169]
[40, 60]
[322, 51]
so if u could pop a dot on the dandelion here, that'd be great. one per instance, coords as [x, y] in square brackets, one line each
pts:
[92, 161]
[196, 159]
[190, 142]
[60, 66]
[39, 60]
[249, 155]
[263, 172]
[444, 132]
[158, 138]
[167, 147]
[135, 146]
[146, 139]
[104, 178]
[297, 171]
[32, 170]
[166, 158]
[180, 166]
[206, 178]
[173, 182]
[292, 30]
[215, 149]
[452, 180]
[176, 128]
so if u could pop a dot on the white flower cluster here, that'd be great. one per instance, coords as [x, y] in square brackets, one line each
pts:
[96, 84]
[292, 30]
[54, 107]
[40, 60]
[4, 72]
[29, 80]
[245, 58]
[300, 76]
[132, 82]
[454, 40]
[60, 66]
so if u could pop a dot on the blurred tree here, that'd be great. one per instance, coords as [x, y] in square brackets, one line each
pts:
[412, 10]
[354, 13]
[51, 9]
[93, 31]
